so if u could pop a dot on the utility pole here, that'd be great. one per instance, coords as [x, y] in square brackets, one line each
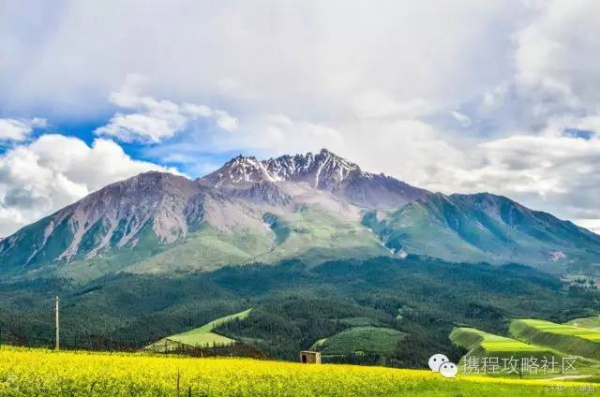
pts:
[57, 325]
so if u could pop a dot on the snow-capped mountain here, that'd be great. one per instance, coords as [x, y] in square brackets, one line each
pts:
[314, 207]
[322, 171]
[319, 171]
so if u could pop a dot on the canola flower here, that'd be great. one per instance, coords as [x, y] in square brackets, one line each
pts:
[39, 372]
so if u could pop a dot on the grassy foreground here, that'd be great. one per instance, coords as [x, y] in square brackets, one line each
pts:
[46, 373]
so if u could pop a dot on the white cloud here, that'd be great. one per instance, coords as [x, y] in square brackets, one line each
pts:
[297, 59]
[558, 174]
[279, 134]
[463, 119]
[558, 49]
[18, 130]
[590, 224]
[225, 121]
[37, 179]
[284, 135]
[377, 105]
[449, 95]
[155, 120]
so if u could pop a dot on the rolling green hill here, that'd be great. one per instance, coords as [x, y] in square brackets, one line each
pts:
[295, 304]
[542, 340]
[564, 338]
[199, 337]
[360, 340]
[548, 356]
[483, 344]
[586, 322]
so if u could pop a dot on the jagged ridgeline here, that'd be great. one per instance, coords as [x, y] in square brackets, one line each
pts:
[312, 207]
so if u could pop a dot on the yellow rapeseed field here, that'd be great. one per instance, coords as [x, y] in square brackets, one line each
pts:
[47, 373]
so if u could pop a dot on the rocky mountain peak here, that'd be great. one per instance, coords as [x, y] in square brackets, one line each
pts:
[321, 170]
[237, 171]
[324, 170]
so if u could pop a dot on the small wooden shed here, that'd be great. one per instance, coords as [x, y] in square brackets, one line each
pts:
[308, 357]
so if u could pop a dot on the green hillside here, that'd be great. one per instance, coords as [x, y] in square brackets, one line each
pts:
[548, 360]
[564, 338]
[586, 322]
[208, 249]
[486, 228]
[310, 234]
[483, 344]
[199, 337]
[411, 227]
[360, 340]
[543, 341]
[314, 235]
[295, 304]
[160, 223]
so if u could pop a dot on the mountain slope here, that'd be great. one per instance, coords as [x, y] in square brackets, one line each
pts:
[157, 222]
[487, 228]
[312, 207]
[152, 206]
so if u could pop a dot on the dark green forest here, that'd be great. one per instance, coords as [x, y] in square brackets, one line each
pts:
[294, 305]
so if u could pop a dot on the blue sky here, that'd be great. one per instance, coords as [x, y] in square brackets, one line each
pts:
[450, 95]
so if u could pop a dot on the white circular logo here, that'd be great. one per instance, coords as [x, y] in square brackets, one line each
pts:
[436, 361]
[448, 370]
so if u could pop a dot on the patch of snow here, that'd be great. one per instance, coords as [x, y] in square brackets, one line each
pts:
[557, 255]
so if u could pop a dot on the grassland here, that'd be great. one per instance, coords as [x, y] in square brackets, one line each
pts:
[356, 340]
[208, 249]
[199, 337]
[541, 340]
[565, 338]
[52, 374]
[310, 233]
[314, 235]
[483, 343]
[586, 322]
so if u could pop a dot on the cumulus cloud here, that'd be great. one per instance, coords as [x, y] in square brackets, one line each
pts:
[282, 56]
[18, 130]
[555, 71]
[377, 105]
[552, 172]
[151, 120]
[282, 134]
[37, 179]
[558, 50]
[279, 134]
[225, 121]
[442, 94]
[563, 171]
